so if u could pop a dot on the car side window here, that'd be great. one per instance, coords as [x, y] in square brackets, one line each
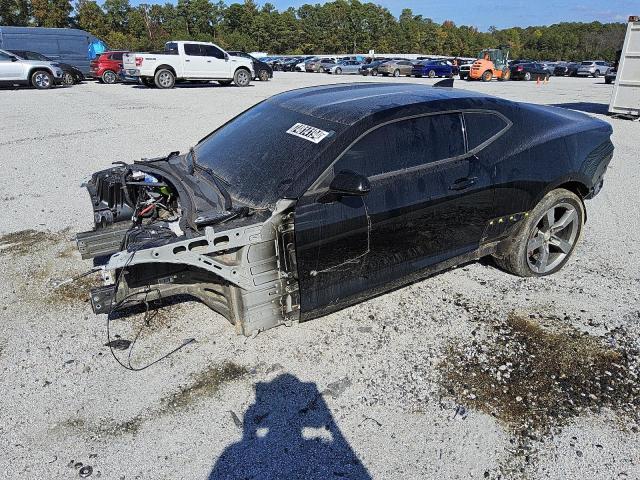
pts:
[211, 51]
[117, 56]
[482, 127]
[192, 49]
[4, 57]
[405, 144]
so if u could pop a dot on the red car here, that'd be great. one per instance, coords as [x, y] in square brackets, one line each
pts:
[105, 67]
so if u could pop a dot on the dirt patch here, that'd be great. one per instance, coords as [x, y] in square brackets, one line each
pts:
[26, 242]
[534, 376]
[204, 384]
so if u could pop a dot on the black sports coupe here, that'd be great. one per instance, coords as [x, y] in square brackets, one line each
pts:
[379, 185]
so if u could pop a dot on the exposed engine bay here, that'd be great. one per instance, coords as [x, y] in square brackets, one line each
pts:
[168, 226]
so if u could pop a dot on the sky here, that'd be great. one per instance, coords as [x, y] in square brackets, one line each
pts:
[502, 13]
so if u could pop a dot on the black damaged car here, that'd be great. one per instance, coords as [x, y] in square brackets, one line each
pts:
[378, 185]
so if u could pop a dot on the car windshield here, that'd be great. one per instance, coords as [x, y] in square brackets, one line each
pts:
[261, 151]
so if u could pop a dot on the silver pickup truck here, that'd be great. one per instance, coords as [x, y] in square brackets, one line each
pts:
[188, 61]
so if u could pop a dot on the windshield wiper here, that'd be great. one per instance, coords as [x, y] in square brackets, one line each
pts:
[217, 181]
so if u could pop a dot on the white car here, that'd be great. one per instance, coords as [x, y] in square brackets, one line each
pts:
[593, 68]
[188, 61]
[37, 73]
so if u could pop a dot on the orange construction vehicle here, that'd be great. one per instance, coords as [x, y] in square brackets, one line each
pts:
[491, 62]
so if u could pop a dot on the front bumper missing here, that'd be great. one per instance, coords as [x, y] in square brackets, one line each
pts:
[246, 274]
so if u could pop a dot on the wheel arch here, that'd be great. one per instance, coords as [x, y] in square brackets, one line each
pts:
[165, 67]
[575, 184]
[33, 70]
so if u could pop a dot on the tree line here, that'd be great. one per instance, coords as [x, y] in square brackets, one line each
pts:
[340, 26]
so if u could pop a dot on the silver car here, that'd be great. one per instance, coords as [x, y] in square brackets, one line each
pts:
[345, 67]
[595, 68]
[37, 73]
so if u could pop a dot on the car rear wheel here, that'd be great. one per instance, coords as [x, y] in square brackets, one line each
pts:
[543, 244]
[431, 74]
[263, 76]
[241, 78]
[374, 72]
[396, 73]
[527, 76]
[68, 79]
[109, 77]
[165, 78]
[41, 80]
[338, 71]
[596, 74]
[487, 76]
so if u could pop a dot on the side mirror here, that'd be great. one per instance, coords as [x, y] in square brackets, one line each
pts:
[14, 59]
[226, 57]
[349, 184]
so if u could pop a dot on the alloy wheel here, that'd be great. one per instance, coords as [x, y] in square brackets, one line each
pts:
[164, 79]
[67, 79]
[553, 238]
[109, 77]
[42, 80]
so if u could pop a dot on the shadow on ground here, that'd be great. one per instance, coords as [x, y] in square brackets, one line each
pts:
[289, 433]
[588, 107]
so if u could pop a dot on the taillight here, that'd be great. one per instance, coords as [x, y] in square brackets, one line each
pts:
[139, 61]
[520, 69]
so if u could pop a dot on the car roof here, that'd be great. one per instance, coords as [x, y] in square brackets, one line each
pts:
[351, 102]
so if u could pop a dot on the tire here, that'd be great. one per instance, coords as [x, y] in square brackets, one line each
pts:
[338, 71]
[225, 83]
[596, 74]
[462, 77]
[396, 73]
[242, 78]
[547, 238]
[608, 80]
[164, 78]
[487, 76]
[109, 77]
[41, 79]
[431, 74]
[527, 76]
[263, 75]
[374, 73]
[68, 79]
[148, 82]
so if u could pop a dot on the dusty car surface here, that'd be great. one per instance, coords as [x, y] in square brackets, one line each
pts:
[379, 185]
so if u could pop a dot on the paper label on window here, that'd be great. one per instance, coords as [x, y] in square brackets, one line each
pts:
[307, 132]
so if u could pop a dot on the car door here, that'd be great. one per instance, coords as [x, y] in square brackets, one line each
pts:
[194, 61]
[10, 69]
[217, 64]
[405, 67]
[429, 200]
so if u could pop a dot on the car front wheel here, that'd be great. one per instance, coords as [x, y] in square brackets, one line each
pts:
[263, 76]
[547, 237]
[241, 78]
[41, 80]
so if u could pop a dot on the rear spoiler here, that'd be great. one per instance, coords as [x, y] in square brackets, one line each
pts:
[446, 83]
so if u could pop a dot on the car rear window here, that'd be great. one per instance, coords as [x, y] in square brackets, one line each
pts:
[586, 63]
[171, 48]
[482, 127]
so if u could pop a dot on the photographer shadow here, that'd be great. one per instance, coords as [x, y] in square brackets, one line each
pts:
[289, 433]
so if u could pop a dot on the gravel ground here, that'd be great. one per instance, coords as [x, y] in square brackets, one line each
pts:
[472, 373]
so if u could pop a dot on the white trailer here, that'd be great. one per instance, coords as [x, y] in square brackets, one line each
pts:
[625, 99]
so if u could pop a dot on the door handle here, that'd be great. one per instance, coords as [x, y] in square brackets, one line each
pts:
[208, 61]
[463, 183]
[187, 60]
